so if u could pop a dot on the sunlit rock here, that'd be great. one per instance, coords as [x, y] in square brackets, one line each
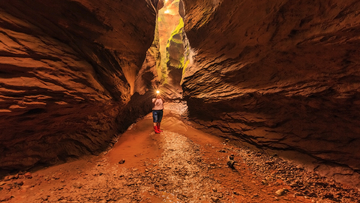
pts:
[164, 62]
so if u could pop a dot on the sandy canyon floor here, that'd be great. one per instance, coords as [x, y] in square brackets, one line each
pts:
[182, 164]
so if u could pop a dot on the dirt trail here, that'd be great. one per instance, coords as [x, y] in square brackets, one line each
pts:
[181, 164]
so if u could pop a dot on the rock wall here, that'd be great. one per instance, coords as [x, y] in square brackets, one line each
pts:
[280, 75]
[165, 53]
[175, 59]
[67, 76]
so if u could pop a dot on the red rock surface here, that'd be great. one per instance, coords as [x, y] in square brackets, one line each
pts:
[157, 72]
[282, 75]
[67, 75]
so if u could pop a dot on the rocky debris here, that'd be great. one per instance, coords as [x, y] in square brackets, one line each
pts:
[179, 172]
[11, 177]
[122, 161]
[303, 183]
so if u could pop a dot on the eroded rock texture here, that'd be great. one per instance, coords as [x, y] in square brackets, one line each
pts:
[175, 59]
[162, 68]
[67, 76]
[279, 74]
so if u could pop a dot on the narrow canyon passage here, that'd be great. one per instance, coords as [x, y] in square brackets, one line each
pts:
[181, 164]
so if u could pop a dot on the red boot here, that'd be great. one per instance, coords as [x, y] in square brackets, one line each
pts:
[158, 128]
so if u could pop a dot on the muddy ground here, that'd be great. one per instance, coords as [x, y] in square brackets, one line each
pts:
[182, 164]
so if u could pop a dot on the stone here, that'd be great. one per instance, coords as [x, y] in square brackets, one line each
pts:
[214, 199]
[281, 192]
[19, 183]
[122, 161]
[28, 175]
[230, 163]
[269, 162]
[77, 185]
[7, 178]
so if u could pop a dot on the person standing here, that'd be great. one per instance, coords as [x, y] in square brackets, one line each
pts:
[157, 111]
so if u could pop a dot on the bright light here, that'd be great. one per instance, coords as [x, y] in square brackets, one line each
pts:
[157, 92]
[167, 11]
[166, 1]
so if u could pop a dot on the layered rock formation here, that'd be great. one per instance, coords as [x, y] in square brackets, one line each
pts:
[175, 59]
[280, 75]
[165, 58]
[67, 76]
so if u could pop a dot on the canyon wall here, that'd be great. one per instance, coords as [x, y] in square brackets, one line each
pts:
[280, 75]
[162, 68]
[67, 76]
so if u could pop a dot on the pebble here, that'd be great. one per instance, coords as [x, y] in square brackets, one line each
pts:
[281, 192]
[77, 185]
[214, 199]
[122, 161]
[28, 175]
[231, 163]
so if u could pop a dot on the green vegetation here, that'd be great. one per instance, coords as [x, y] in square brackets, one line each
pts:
[174, 44]
[175, 39]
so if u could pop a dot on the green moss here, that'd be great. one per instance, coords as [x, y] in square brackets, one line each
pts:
[178, 31]
[164, 56]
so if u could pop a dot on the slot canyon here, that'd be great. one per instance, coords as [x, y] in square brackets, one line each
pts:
[262, 101]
